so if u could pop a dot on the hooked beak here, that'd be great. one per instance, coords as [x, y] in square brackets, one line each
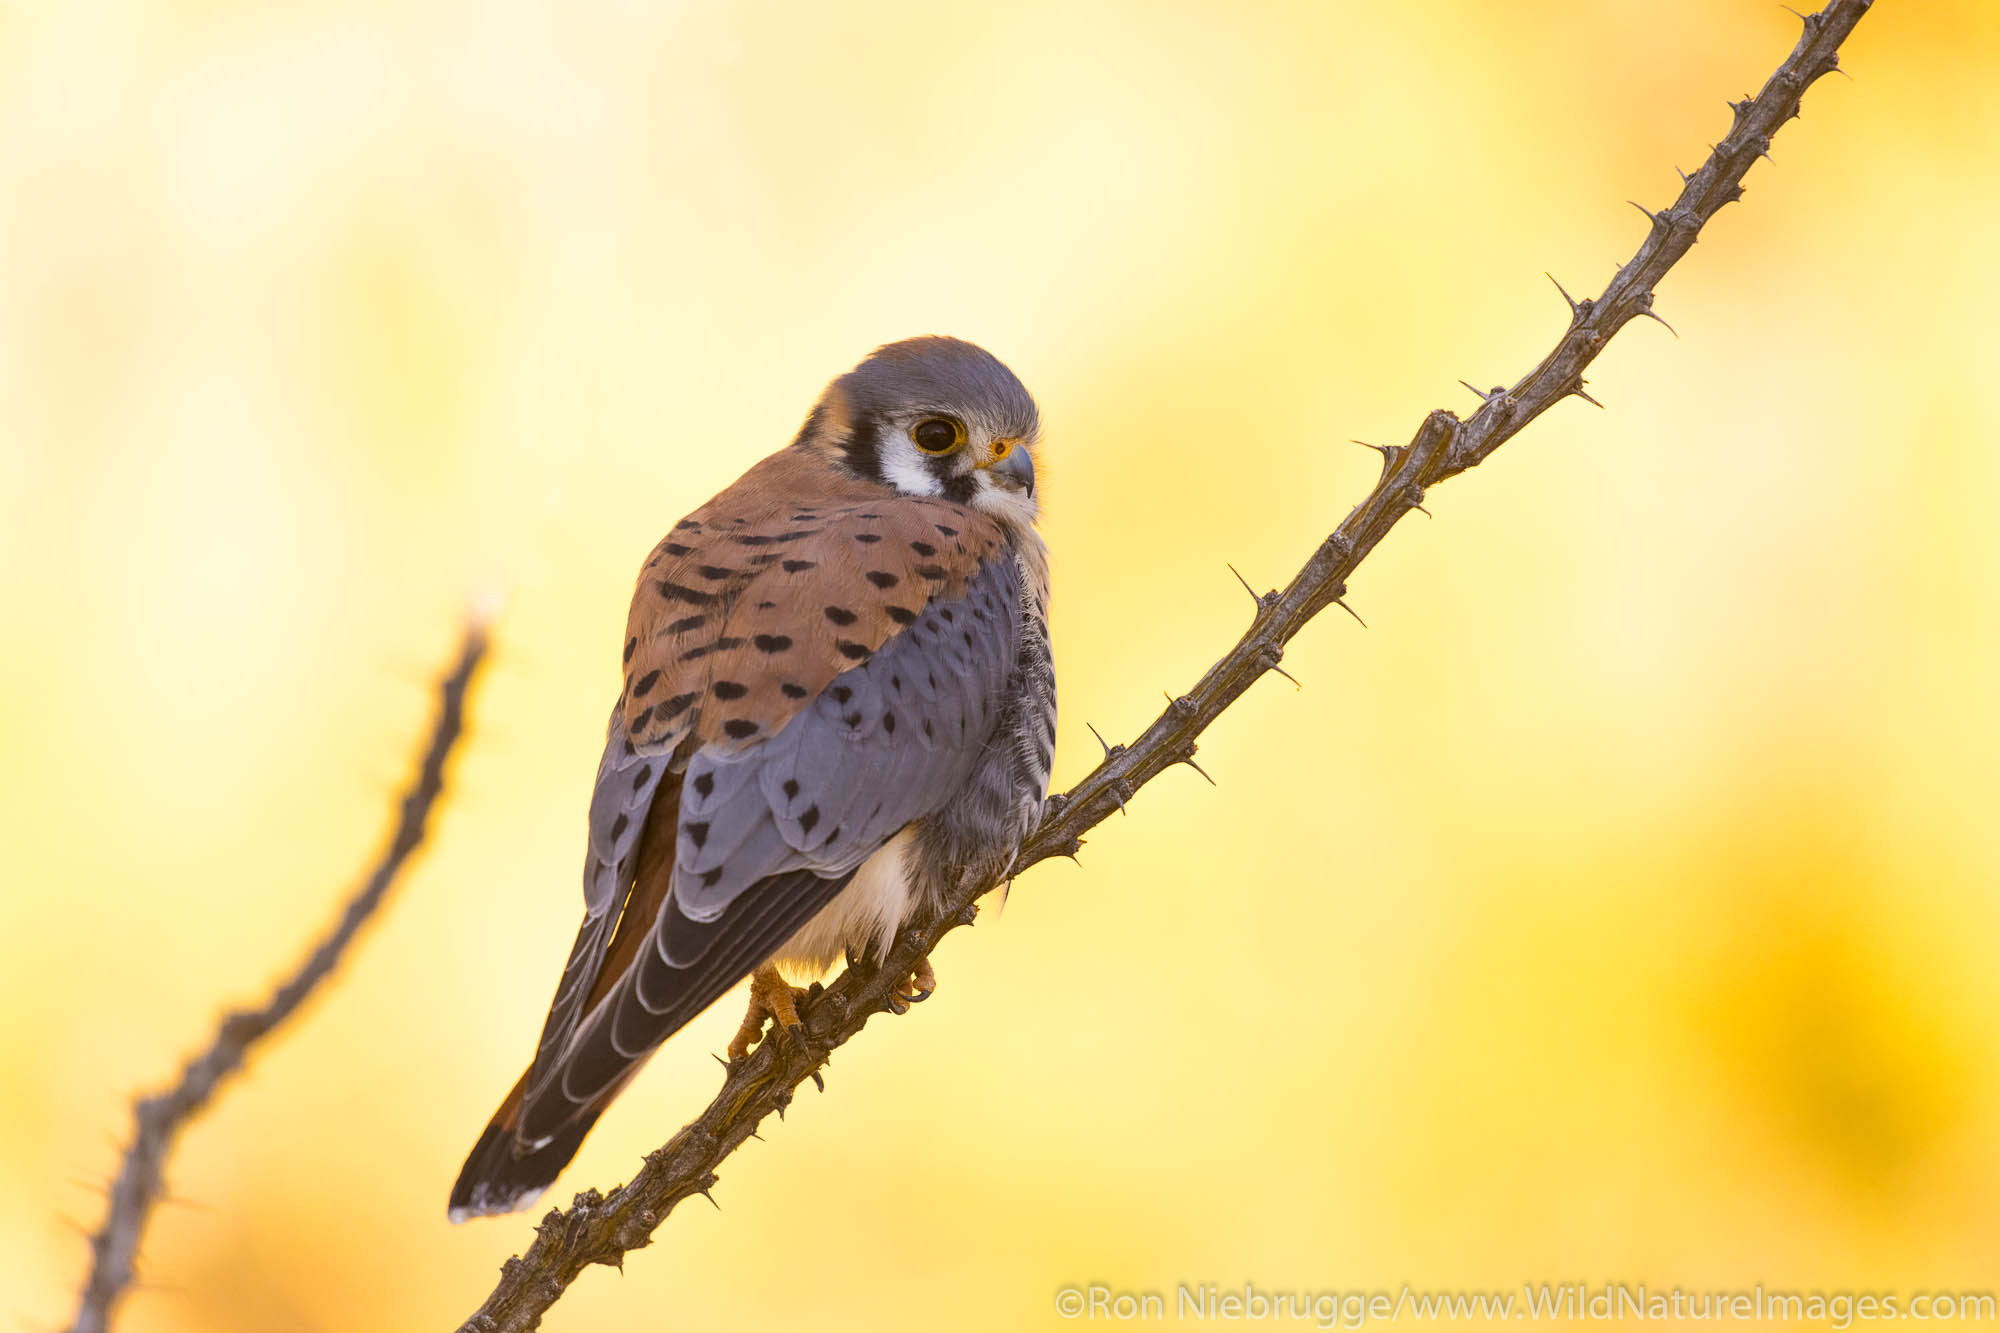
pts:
[1016, 465]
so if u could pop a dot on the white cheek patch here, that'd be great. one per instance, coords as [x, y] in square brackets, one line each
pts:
[1005, 503]
[903, 467]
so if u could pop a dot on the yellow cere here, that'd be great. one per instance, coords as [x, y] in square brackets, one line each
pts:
[1621, 905]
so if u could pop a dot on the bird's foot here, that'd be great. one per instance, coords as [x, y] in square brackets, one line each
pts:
[772, 997]
[921, 982]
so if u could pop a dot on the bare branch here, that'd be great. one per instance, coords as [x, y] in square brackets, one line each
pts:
[158, 1120]
[601, 1229]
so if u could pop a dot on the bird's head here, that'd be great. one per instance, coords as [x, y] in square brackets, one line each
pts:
[933, 416]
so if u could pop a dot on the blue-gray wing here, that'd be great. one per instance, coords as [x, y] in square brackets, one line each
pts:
[769, 833]
[628, 779]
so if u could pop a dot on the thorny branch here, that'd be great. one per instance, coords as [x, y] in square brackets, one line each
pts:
[602, 1228]
[157, 1120]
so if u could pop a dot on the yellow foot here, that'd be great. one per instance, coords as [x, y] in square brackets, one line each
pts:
[772, 997]
[921, 983]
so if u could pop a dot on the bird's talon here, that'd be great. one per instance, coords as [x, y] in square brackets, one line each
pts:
[772, 997]
[922, 981]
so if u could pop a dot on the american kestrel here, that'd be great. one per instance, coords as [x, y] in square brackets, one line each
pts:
[838, 700]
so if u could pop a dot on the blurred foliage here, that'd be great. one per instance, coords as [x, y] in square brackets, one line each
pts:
[1621, 905]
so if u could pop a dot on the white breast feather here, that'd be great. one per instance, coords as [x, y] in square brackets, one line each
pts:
[864, 916]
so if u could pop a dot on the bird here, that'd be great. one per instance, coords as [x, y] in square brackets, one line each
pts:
[838, 703]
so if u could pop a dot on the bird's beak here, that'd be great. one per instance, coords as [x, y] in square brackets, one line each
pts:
[1010, 459]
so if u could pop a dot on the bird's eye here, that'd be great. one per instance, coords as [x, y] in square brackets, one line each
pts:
[938, 435]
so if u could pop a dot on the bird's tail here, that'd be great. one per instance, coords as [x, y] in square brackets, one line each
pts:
[498, 1177]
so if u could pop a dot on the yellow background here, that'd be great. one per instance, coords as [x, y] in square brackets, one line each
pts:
[1621, 905]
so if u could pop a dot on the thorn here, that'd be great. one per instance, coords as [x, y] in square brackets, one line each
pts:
[1764, 150]
[703, 1191]
[1246, 587]
[1651, 216]
[1575, 306]
[1263, 600]
[171, 1200]
[724, 1063]
[818, 1082]
[1199, 769]
[1685, 178]
[1108, 751]
[1578, 391]
[1273, 654]
[1350, 611]
[1416, 505]
[1742, 108]
[1388, 461]
[1488, 395]
[1648, 313]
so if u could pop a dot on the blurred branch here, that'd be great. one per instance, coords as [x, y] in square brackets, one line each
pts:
[601, 1229]
[157, 1120]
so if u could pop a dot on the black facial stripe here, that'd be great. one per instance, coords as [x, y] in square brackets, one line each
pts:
[864, 456]
[952, 484]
